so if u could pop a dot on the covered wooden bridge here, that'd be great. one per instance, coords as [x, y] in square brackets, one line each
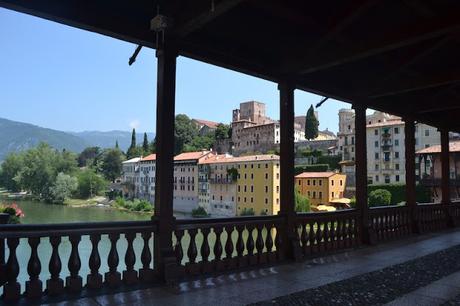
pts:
[399, 57]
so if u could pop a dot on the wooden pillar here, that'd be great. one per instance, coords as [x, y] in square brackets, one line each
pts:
[287, 205]
[445, 172]
[164, 259]
[411, 197]
[445, 176]
[361, 174]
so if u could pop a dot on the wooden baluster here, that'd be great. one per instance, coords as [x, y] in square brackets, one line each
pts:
[178, 247]
[55, 285]
[269, 243]
[303, 239]
[12, 289]
[146, 273]
[326, 236]
[250, 245]
[192, 250]
[74, 281]
[205, 250]
[230, 262]
[279, 243]
[319, 237]
[94, 279]
[34, 267]
[218, 264]
[348, 232]
[332, 235]
[242, 262]
[113, 277]
[260, 244]
[130, 275]
[312, 237]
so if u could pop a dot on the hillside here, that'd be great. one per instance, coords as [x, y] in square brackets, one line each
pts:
[18, 136]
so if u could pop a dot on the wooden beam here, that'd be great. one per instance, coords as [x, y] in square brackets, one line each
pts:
[206, 17]
[406, 85]
[394, 39]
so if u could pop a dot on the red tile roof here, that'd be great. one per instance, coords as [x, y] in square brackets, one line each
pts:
[315, 174]
[210, 124]
[386, 123]
[150, 157]
[454, 146]
[230, 159]
[191, 155]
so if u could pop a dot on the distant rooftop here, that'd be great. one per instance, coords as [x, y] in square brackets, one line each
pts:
[132, 160]
[386, 123]
[191, 155]
[230, 159]
[454, 146]
[150, 157]
[207, 123]
[315, 174]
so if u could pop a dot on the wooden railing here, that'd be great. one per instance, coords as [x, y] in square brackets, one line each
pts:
[390, 222]
[208, 245]
[433, 217]
[321, 233]
[40, 266]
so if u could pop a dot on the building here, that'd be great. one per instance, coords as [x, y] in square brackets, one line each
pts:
[385, 144]
[322, 188]
[429, 161]
[251, 111]
[147, 178]
[243, 183]
[130, 177]
[205, 126]
[186, 173]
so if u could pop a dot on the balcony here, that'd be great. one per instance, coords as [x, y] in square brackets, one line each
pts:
[386, 145]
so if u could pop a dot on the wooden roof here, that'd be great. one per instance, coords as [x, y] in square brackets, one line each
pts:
[396, 56]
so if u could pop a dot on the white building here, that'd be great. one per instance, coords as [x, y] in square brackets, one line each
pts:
[385, 144]
[130, 177]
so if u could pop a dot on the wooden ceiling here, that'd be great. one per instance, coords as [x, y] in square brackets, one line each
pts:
[399, 56]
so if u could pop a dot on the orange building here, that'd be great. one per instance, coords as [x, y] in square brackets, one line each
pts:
[321, 188]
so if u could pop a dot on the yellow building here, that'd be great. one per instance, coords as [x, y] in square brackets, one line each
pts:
[246, 182]
[321, 188]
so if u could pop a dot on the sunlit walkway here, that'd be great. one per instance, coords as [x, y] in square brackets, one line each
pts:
[273, 285]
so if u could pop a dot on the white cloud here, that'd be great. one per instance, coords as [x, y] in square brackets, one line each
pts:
[134, 124]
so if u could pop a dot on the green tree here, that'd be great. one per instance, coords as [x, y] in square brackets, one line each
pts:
[116, 145]
[133, 150]
[247, 212]
[302, 203]
[9, 170]
[145, 145]
[89, 156]
[112, 164]
[184, 132]
[379, 197]
[311, 124]
[66, 162]
[63, 188]
[90, 184]
[222, 131]
[153, 146]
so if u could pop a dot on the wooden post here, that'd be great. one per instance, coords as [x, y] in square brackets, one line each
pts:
[445, 175]
[287, 205]
[361, 174]
[164, 258]
[411, 197]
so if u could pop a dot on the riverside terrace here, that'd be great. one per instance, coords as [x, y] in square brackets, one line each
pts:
[399, 57]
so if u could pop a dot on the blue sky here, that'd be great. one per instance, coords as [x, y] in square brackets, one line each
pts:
[69, 79]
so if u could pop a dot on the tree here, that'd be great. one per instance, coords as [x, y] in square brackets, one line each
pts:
[184, 132]
[112, 164]
[133, 150]
[63, 188]
[379, 197]
[116, 145]
[89, 156]
[222, 131]
[247, 212]
[302, 203]
[311, 124]
[90, 184]
[145, 144]
[9, 170]
[153, 146]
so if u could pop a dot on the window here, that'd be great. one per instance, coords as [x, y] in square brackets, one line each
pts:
[332, 182]
[308, 182]
[320, 182]
[314, 182]
[277, 176]
[266, 166]
[341, 183]
[308, 193]
[376, 144]
[266, 176]
[387, 179]
[332, 194]
[352, 140]
[396, 142]
[396, 154]
[397, 178]
[266, 201]
[427, 132]
[396, 166]
[299, 182]
[239, 188]
[396, 130]
[277, 189]
[252, 175]
[252, 188]
[314, 194]
[320, 195]
[245, 189]
[376, 155]
[252, 200]
[376, 178]
[266, 188]
[376, 167]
